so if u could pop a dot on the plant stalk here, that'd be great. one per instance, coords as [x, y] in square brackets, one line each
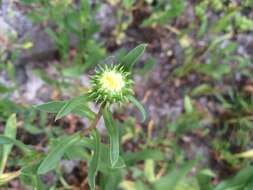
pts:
[95, 122]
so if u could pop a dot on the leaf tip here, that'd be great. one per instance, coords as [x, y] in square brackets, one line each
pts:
[145, 45]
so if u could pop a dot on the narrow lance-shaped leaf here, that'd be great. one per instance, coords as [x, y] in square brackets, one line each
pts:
[149, 170]
[6, 140]
[171, 180]
[54, 156]
[10, 131]
[152, 154]
[188, 104]
[139, 106]
[71, 105]
[241, 179]
[37, 183]
[113, 132]
[133, 56]
[55, 106]
[105, 165]
[51, 107]
[93, 165]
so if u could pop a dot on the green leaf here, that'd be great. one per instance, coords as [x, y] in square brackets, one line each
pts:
[135, 185]
[165, 16]
[203, 89]
[29, 177]
[77, 106]
[71, 105]
[54, 156]
[10, 131]
[171, 180]
[139, 106]
[133, 56]
[6, 140]
[188, 104]
[223, 23]
[32, 129]
[153, 154]
[128, 3]
[113, 134]
[105, 165]
[241, 180]
[37, 183]
[51, 107]
[84, 111]
[93, 165]
[111, 180]
[119, 164]
[149, 170]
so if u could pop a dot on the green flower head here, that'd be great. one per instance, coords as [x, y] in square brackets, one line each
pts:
[111, 84]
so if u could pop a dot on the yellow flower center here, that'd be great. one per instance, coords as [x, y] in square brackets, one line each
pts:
[112, 81]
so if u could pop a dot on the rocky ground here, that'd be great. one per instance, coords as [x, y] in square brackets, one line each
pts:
[162, 95]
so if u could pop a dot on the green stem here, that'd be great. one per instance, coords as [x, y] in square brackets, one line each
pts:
[95, 122]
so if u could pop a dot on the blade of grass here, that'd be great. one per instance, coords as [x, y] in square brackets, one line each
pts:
[10, 131]
[54, 156]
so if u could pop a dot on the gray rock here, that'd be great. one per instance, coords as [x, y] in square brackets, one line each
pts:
[7, 34]
[13, 21]
[43, 48]
[14, 17]
[68, 165]
[105, 17]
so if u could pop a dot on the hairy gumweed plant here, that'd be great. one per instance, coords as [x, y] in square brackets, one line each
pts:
[110, 84]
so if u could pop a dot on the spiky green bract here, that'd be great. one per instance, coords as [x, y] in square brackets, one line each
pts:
[111, 84]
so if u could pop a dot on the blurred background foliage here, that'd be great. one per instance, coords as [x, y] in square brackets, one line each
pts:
[199, 54]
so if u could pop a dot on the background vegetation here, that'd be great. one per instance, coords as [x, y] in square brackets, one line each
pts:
[195, 81]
